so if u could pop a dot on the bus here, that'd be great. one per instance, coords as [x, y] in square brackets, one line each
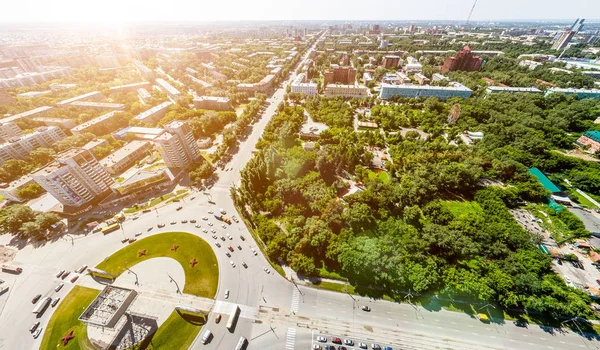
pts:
[42, 305]
[241, 344]
[111, 228]
[235, 313]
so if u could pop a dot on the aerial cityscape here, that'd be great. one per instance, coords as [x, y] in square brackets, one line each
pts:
[241, 176]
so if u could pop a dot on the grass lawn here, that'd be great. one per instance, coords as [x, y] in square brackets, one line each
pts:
[177, 332]
[66, 317]
[336, 287]
[381, 176]
[200, 280]
[461, 208]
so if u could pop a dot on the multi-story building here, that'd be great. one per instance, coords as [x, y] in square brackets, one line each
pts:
[203, 85]
[125, 157]
[143, 95]
[94, 145]
[464, 60]
[395, 78]
[142, 180]
[412, 91]
[532, 65]
[144, 70]
[177, 145]
[154, 114]
[10, 191]
[28, 79]
[261, 86]
[216, 103]
[564, 38]
[28, 114]
[412, 66]
[339, 75]
[129, 87]
[9, 130]
[300, 85]
[580, 93]
[99, 122]
[423, 80]
[590, 140]
[139, 133]
[20, 147]
[350, 91]
[62, 122]
[171, 91]
[438, 77]
[390, 61]
[75, 178]
[497, 89]
[98, 105]
[94, 95]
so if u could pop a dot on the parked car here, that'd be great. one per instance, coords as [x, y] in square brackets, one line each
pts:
[184, 221]
[321, 339]
[228, 254]
[161, 225]
[336, 340]
[59, 287]
[218, 318]
[36, 298]
[232, 263]
[520, 323]
[55, 301]
[173, 222]
[179, 208]
[82, 268]
[37, 332]
[244, 264]
[193, 221]
[363, 346]
[74, 278]
[34, 327]
[348, 342]
[375, 347]
[230, 248]
[59, 273]
[218, 244]
[64, 275]
[242, 238]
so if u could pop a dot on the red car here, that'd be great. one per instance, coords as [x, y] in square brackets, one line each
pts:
[336, 340]
[218, 318]
[230, 248]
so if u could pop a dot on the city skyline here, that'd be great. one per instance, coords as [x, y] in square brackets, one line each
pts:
[261, 10]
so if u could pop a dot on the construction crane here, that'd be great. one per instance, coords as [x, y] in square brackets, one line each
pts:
[471, 13]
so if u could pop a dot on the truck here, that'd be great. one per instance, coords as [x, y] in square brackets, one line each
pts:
[222, 218]
[11, 269]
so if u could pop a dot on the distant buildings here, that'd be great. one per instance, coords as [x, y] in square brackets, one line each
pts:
[146, 72]
[75, 178]
[91, 125]
[130, 87]
[580, 93]
[216, 103]
[62, 122]
[339, 75]
[262, 86]
[564, 38]
[438, 77]
[395, 78]
[390, 61]
[590, 140]
[299, 85]
[532, 65]
[20, 147]
[9, 130]
[154, 114]
[94, 95]
[171, 91]
[497, 89]
[412, 66]
[349, 91]
[125, 157]
[177, 145]
[33, 78]
[464, 60]
[98, 105]
[28, 114]
[421, 78]
[413, 91]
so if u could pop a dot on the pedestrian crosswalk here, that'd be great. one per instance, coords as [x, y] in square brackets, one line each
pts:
[295, 300]
[290, 338]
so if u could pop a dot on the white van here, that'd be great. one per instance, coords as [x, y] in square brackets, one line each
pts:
[206, 337]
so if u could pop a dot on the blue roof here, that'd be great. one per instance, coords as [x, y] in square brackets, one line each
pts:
[544, 180]
[593, 134]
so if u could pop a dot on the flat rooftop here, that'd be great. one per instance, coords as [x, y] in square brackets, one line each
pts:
[123, 153]
[153, 110]
[94, 121]
[89, 104]
[78, 98]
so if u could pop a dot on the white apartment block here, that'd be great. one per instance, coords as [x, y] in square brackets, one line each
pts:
[94, 95]
[154, 114]
[20, 147]
[171, 91]
[301, 86]
[350, 91]
[9, 130]
[90, 124]
[177, 146]
[75, 178]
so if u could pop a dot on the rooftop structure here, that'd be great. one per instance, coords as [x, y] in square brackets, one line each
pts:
[580, 93]
[412, 91]
[139, 132]
[590, 140]
[545, 181]
[106, 309]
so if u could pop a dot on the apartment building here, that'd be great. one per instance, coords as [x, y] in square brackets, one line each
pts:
[129, 87]
[9, 130]
[98, 122]
[94, 95]
[146, 72]
[412, 91]
[171, 91]
[422, 79]
[154, 114]
[75, 178]
[28, 114]
[261, 86]
[62, 122]
[390, 61]
[98, 105]
[10, 191]
[349, 91]
[177, 145]
[125, 157]
[339, 75]
[20, 147]
[216, 103]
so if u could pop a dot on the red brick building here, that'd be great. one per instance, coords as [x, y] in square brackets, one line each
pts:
[340, 75]
[464, 60]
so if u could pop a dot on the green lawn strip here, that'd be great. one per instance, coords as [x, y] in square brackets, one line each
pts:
[66, 317]
[177, 332]
[461, 208]
[200, 280]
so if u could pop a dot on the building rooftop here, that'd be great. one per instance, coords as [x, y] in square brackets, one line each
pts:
[89, 104]
[94, 121]
[123, 153]
[164, 137]
[144, 133]
[513, 89]
[220, 99]
[77, 98]
[58, 162]
[37, 131]
[26, 114]
[593, 134]
[170, 88]
[153, 110]
[94, 143]
[16, 184]
[134, 85]
[549, 185]
[454, 87]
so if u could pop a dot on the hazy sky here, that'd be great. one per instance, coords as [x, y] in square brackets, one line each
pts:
[202, 10]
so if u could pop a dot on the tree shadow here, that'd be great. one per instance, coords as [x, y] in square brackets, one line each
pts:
[196, 320]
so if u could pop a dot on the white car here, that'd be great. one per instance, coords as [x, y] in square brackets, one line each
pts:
[150, 228]
[138, 234]
[214, 236]
[211, 212]
[254, 251]
[59, 287]
[213, 230]
[37, 332]
[204, 218]
[363, 346]
[210, 224]
[232, 263]
[229, 236]
[136, 217]
[218, 244]
[568, 279]
[266, 270]
[59, 273]
[226, 293]
[205, 231]
[222, 211]
[223, 226]
[197, 225]
[321, 339]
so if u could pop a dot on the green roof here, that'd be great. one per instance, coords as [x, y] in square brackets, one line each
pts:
[593, 134]
[544, 180]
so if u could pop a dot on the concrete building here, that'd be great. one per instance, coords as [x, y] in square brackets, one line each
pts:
[463, 61]
[581, 93]
[412, 66]
[412, 91]
[28, 114]
[497, 89]
[62, 122]
[349, 91]
[142, 180]
[203, 85]
[300, 85]
[10, 191]
[129, 87]
[564, 38]
[146, 72]
[9, 130]
[395, 78]
[216, 103]
[93, 145]
[262, 86]
[98, 105]
[154, 114]
[75, 178]
[531, 65]
[423, 80]
[177, 145]
[33, 78]
[99, 122]
[125, 157]
[590, 140]
[20, 147]
[94, 95]
[171, 91]
[390, 61]
[33, 94]
[139, 133]
[339, 75]
[438, 77]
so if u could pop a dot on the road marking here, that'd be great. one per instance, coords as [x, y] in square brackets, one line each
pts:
[290, 338]
[295, 300]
